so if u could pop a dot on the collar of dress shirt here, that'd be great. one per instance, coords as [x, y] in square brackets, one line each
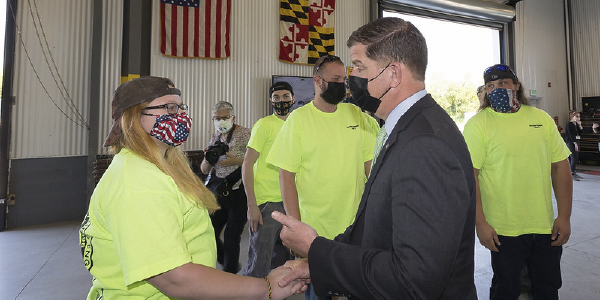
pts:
[399, 110]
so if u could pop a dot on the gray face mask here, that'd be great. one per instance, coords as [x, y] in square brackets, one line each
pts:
[335, 92]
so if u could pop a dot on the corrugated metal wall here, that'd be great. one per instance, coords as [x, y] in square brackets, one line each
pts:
[112, 42]
[44, 124]
[586, 44]
[243, 79]
[40, 128]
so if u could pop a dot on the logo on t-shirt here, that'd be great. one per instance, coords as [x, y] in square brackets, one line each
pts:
[535, 125]
[87, 249]
[352, 127]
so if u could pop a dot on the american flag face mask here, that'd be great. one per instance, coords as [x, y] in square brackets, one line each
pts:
[172, 130]
[504, 100]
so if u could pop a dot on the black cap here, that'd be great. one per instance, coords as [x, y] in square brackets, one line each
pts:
[498, 71]
[280, 85]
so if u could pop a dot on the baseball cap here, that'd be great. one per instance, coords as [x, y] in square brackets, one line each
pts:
[498, 71]
[134, 92]
[280, 85]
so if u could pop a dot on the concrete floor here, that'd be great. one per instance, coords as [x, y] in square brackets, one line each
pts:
[45, 262]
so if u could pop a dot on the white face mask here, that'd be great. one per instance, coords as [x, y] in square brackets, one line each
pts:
[223, 126]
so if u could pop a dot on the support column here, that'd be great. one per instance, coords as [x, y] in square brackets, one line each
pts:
[6, 109]
[137, 30]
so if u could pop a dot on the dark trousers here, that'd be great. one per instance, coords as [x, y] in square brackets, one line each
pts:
[574, 157]
[234, 216]
[541, 259]
[265, 250]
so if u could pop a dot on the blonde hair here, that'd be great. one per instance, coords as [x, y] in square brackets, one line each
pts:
[174, 163]
[572, 114]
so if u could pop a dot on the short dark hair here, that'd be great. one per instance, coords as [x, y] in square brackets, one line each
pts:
[393, 39]
[324, 60]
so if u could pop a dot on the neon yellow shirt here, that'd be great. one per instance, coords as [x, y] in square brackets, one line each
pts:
[514, 153]
[266, 176]
[327, 151]
[139, 225]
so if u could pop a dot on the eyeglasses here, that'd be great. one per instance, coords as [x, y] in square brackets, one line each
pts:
[501, 68]
[223, 118]
[172, 108]
[497, 67]
[327, 59]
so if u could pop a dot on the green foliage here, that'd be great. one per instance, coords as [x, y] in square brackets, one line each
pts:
[457, 98]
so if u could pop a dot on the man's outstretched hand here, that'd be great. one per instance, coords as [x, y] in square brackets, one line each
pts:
[295, 235]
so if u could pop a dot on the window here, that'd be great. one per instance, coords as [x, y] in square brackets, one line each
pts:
[458, 54]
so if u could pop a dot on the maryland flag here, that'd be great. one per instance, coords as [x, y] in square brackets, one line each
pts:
[306, 30]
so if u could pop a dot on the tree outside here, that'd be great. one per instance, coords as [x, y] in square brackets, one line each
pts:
[458, 97]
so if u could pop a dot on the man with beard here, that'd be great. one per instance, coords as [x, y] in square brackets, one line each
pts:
[324, 153]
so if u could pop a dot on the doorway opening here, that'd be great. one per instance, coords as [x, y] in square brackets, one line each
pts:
[458, 55]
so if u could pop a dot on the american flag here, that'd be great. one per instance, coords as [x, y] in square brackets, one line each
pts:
[173, 129]
[195, 28]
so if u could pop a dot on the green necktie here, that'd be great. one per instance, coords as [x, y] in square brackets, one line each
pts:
[381, 137]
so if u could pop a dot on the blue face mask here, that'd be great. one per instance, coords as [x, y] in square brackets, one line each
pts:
[504, 100]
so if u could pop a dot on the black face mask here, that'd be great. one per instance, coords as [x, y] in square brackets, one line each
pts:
[335, 92]
[360, 94]
[282, 108]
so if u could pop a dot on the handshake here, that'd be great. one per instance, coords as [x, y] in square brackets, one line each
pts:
[294, 275]
[289, 279]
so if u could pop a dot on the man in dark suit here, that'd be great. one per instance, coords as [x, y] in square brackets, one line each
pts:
[413, 236]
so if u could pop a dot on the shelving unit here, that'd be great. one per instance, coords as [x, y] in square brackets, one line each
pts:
[589, 153]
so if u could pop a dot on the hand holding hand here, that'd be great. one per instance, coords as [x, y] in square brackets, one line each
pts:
[295, 235]
[254, 218]
[561, 231]
[487, 236]
[279, 291]
[300, 271]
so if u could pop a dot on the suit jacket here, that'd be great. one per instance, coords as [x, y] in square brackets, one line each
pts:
[414, 232]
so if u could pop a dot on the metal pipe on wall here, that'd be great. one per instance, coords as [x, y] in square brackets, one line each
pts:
[468, 11]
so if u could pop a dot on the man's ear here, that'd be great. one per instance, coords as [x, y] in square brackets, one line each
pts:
[316, 80]
[398, 70]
